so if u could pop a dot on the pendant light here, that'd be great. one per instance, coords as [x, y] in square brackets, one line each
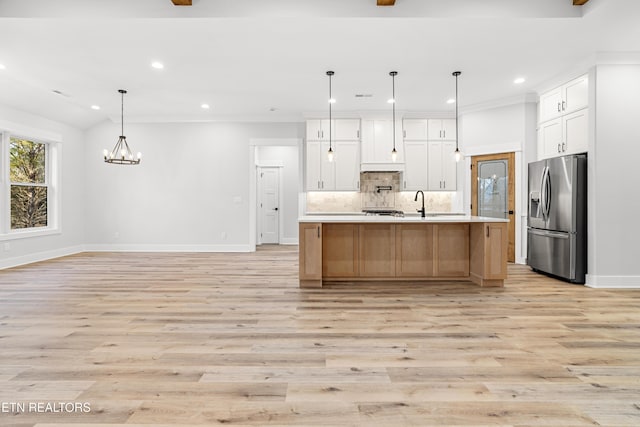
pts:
[457, 154]
[121, 153]
[392, 101]
[331, 101]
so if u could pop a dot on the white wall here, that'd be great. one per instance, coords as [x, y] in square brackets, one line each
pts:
[71, 236]
[190, 192]
[510, 128]
[614, 200]
[288, 158]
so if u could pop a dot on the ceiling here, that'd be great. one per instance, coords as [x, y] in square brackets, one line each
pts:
[257, 60]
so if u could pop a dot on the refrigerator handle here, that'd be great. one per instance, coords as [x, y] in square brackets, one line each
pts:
[548, 195]
[543, 193]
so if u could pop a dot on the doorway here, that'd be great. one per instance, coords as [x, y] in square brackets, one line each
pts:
[268, 205]
[493, 191]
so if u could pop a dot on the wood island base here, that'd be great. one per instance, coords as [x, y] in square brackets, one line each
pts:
[474, 250]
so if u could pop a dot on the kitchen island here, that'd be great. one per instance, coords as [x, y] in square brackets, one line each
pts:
[338, 248]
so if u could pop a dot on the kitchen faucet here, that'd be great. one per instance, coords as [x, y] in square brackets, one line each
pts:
[422, 211]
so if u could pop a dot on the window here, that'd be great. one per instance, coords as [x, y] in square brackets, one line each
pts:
[29, 184]
[28, 176]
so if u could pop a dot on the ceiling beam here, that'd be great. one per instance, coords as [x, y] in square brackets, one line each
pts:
[579, 2]
[386, 2]
[182, 2]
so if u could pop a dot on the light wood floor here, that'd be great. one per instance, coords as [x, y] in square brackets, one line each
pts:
[186, 339]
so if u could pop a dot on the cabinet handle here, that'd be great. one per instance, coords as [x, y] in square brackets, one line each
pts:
[564, 147]
[318, 184]
[318, 228]
[487, 231]
[322, 184]
[404, 133]
[558, 148]
[564, 105]
[558, 107]
[318, 134]
[358, 134]
[444, 133]
[405, 184]
[444, 184]
[321, 134]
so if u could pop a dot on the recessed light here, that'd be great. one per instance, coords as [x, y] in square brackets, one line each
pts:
[451, 101]
[272, 109]
[157, 65]
[205, 106]
[391, 101]
[519, 80]
[95, 107]
[2, 67]
[332, 101]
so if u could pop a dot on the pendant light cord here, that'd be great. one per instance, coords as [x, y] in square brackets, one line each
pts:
[393, 105]
[330, 73]
[456, 74]
[122, 92]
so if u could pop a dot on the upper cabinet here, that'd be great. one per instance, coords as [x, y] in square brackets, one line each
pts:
[565, 135]
[414, 129]
[564, 119]
[343, 173]
[415, 167]
[318, 130]
[565, 99]
[347, 130]
[377, 141]
[441, 129]
[442, 167]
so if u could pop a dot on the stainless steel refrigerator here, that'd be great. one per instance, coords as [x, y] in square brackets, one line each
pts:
[557, 224]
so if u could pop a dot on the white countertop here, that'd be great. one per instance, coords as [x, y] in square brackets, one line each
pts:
[359, 218]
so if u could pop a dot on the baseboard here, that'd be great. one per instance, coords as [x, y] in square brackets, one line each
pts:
[613, 282]
[289, 241]
[40, 256]
[166, 248]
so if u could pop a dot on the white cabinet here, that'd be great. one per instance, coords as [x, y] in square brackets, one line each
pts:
[347, 129]
[377, 141]
[441, 166]
[441, 129]
[343, 173]
[415, 166]
[347, 165]
[320, 173]
[318, 130]
[565, 99]
[565, 135]
[414, 129]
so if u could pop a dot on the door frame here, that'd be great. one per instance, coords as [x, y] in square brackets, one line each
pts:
[259, 169]
[511, 194]
[252, 166]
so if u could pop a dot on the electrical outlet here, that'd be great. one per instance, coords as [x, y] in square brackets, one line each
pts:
[6, 246]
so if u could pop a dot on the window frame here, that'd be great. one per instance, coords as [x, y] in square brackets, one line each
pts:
[51, 182]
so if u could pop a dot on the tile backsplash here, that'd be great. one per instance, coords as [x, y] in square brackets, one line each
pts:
[378, 189]
[370, 197]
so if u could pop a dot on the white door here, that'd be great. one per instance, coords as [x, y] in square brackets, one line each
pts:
[268, 205]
